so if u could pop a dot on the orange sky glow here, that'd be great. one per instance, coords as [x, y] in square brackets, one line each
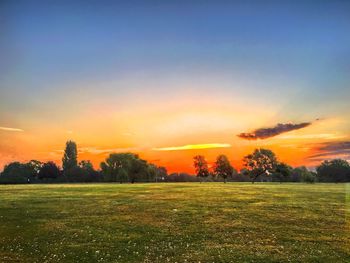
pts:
[168, 137]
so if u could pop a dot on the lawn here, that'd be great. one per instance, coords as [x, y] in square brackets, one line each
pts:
[183, 222]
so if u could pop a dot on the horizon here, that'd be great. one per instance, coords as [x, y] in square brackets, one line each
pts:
[172, 80]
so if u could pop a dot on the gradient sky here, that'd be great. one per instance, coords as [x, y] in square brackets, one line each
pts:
[172, 79]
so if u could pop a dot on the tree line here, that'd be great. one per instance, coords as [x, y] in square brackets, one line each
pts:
[261, 165]
[118, 167]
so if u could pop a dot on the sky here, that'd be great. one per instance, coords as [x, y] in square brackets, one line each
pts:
[172, 79]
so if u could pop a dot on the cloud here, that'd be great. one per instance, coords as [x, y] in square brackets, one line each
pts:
[265, 133]
[194, 147]
[11, 129]
[94, 150]
[328, 136]
[331, 150]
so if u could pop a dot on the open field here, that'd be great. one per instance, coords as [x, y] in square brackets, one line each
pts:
[184, 222]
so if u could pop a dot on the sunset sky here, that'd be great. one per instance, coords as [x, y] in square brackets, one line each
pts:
[172, 79]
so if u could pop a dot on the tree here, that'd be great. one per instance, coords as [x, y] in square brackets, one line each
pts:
[223, 168]
[157, 173]
[35, 166]
[87, 165]
[17, 172]
[49, 170]
[282, 172]
[140, 171]
[75, 174]
[201, 166]
[126, 166]
[91, 175]
[161, 173]
[309, 177]
[114, 164]
[302, 174]
[70, 157]
[260, 162]
[336, 170]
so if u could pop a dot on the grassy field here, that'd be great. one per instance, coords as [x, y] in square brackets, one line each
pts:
[184, 222]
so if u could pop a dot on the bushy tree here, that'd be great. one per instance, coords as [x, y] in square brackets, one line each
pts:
[260, 162]
[70, 157]
[201, 166]
[90, 174]
[158, 173]
[161, 173]
[223, 168]
[282, 172]
[117, 164]
[17, 172]
[35, 166]
[49, 170]
[122, 167]
[309, 177]
[336, 170]
[302, 174]
[140, 171]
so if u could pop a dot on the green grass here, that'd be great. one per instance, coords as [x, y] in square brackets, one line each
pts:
[184, 222]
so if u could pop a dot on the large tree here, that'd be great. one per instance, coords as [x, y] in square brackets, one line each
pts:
[70, 157]
[336, 170]
[121, 167]
[222, 167]
[201, 166]
[115, 165]
[17, 172]
[260, 162]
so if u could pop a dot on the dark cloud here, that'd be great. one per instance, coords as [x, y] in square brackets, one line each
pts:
[332, 149]
[264, 133]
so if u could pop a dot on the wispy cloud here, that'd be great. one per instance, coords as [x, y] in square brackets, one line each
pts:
[11, 129]
[265, 133]
[193, 147]
[331, 150]
[94, 150]
[329, 136]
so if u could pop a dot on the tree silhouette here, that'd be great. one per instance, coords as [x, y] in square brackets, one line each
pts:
[201, 166]
[70, 157]
[49, 170]
[336, 170]
[282, 172]
[222, 167]
[260, 162]
[17, 172]
[121, 167]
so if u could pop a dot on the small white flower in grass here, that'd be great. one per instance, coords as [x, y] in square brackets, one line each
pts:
[175, 210]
